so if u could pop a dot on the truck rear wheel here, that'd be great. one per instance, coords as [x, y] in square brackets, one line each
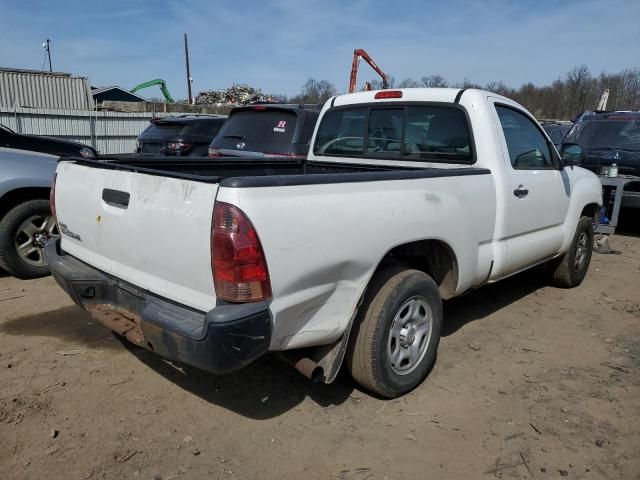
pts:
[395, 337]
[23, 233]
[569, 270]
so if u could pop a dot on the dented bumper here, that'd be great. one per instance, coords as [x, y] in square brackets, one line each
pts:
[220, 341]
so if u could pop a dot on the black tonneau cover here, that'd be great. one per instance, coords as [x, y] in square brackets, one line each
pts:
[238, 172]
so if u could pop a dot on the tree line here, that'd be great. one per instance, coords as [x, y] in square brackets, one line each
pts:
[563, 99]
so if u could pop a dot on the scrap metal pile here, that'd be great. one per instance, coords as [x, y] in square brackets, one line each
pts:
[235, 95]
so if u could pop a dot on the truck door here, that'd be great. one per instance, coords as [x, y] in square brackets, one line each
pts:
[537, 197]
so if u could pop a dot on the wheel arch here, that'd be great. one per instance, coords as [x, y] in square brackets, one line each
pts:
[586, 200]
[434, 257]
[591, 210]
[20, 195]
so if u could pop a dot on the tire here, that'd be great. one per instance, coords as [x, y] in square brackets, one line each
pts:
[28, 224]
[569, 270]
[374, 350]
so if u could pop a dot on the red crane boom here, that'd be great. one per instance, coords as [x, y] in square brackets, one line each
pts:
[357, 54]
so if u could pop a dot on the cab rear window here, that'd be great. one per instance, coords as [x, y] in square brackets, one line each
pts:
[162, 130]
[260, 126]
[396, 132]
[167, 129]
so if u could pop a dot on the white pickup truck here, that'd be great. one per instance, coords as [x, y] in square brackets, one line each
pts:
[407, 197]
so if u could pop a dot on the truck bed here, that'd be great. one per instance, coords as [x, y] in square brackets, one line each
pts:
[148, 220]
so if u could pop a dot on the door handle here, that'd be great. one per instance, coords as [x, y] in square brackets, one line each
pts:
[116, 198]
[521, 191]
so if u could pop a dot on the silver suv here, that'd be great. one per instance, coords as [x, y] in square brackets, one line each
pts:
[26, 222]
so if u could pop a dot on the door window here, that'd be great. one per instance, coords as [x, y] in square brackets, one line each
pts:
[528, 147]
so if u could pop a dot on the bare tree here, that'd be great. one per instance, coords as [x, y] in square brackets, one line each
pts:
[468, 84]
[564, 98]
[376, 83]
[499, 87]
[409, 83]
[434, 81]
[315, 91]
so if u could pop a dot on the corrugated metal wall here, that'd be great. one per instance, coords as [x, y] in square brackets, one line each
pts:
[108, 132]
[44, 90]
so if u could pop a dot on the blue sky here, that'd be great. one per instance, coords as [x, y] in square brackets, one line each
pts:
[277, 45]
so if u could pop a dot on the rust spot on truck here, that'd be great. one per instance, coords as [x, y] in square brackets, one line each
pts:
[122, 321]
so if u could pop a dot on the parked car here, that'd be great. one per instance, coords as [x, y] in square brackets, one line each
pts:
[607, 138]
[556, 131]
[273, 130]
[407, 197]
[183, 136]
[39, 143]
[26, 222]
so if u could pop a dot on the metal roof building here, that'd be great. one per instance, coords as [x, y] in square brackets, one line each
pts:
[114, 93]
[35, 89]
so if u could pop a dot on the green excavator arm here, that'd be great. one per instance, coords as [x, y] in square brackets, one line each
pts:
[151, 83]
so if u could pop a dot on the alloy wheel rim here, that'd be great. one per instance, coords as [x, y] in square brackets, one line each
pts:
[581, 251]
[409, 335]
[31, 236]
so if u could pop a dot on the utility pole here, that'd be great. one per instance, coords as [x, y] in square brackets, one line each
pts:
[47, 47]
[186, 56]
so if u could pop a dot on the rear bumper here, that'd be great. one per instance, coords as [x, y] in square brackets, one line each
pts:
[220, 341]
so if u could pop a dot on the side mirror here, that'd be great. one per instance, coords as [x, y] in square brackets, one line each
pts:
[572, 154]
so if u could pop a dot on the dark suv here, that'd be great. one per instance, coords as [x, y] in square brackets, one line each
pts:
[608, 138]
[187, 135]
[272, 130]
[38, 143]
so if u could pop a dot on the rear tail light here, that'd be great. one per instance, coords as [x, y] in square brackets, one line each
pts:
[86, 152]
[388, 94]
[238, 263]
[52, 196]
[214, 152]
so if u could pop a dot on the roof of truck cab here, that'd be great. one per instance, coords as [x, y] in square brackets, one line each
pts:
[447, 95]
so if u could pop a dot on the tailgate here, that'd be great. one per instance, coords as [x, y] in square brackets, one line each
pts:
[149, 230]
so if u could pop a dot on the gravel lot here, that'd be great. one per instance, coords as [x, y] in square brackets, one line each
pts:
[531, 382]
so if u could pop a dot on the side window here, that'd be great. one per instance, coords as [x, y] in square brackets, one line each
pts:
[341, 132]
[528, 148]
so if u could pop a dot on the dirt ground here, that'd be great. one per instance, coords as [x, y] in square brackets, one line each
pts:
[530, 382]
